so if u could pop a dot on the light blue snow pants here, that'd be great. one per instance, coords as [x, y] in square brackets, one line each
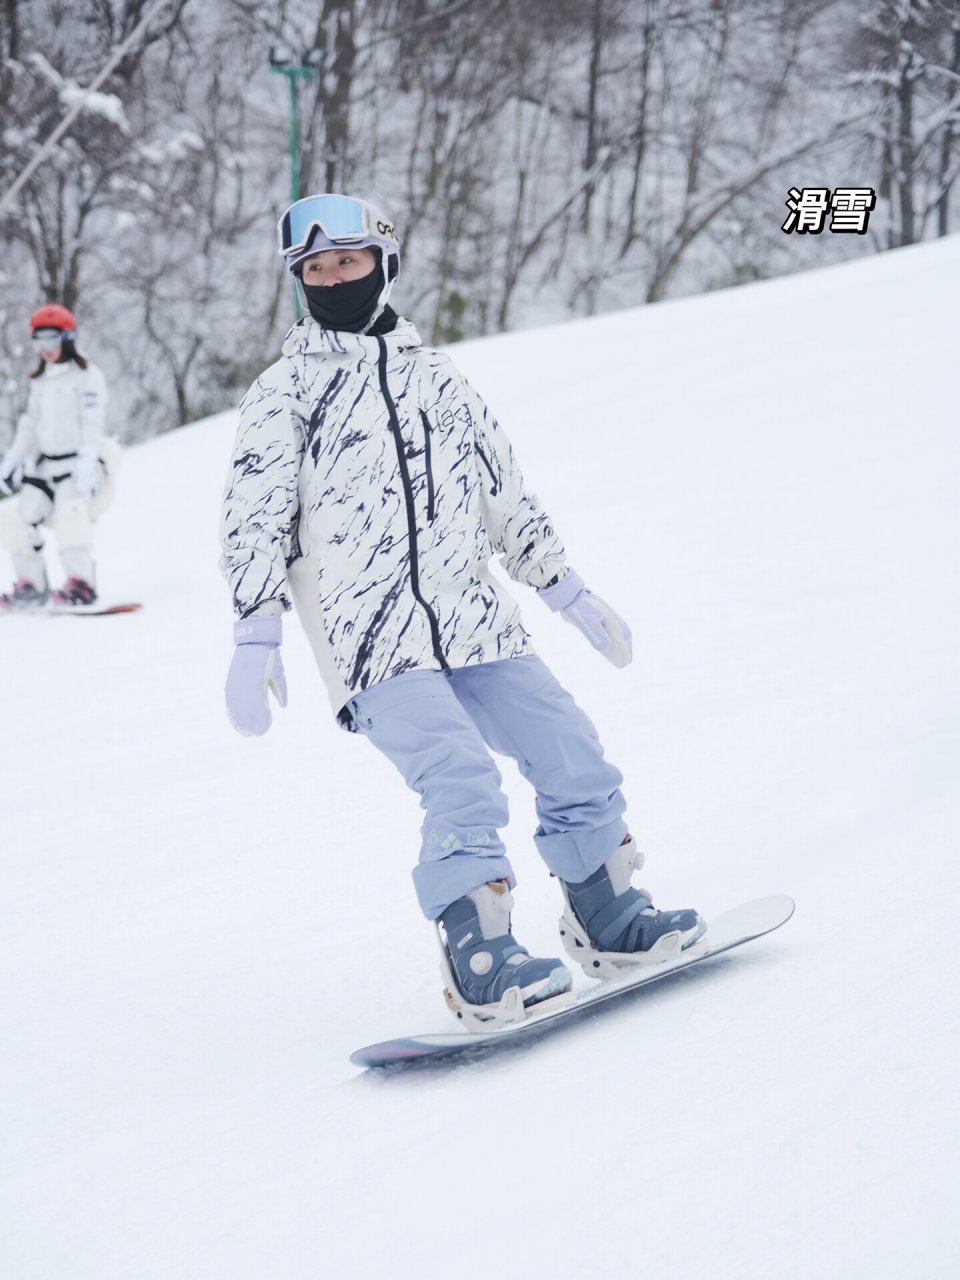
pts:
[436, 728]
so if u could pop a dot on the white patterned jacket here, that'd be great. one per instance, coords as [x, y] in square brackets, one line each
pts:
[369, 487]
[65, 412]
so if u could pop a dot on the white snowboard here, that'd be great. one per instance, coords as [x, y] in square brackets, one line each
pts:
[733, 928]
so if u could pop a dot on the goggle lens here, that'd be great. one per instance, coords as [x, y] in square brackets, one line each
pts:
[338, 217]
[47, 339]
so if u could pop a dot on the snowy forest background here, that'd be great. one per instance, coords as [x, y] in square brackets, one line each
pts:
[542, 158]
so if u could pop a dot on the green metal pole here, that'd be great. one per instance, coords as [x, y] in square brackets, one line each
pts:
[292, 75]
[294, 163]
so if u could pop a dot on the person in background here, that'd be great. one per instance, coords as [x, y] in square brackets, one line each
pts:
[369, 488]
[62, 464]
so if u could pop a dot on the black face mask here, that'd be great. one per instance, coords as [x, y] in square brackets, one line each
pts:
[348, 306]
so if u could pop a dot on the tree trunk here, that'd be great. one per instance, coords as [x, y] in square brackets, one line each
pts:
[593, 130]
[11, 44]
[640, 148]
[906, 149]
[948, 139]
[330, 119]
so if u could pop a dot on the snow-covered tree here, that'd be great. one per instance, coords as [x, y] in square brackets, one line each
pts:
[541, 161]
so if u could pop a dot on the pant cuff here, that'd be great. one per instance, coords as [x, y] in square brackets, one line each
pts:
[575, 855]
[440, 882]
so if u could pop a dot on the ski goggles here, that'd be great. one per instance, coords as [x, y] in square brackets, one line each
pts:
[342, 220]
[47, 339]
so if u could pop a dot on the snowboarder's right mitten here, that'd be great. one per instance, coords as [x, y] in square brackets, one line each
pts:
[9, 472]
[256, 668]
[593, 617]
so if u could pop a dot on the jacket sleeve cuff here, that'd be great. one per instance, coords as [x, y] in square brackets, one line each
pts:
[258, 630]
[562, 593]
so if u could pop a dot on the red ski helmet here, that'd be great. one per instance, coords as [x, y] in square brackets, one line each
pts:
[53, 316]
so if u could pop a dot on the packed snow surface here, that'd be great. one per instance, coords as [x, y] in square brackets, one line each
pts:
[196, 929]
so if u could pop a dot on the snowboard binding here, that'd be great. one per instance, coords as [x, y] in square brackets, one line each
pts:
[597, 963]
[509, 1009]
[490, 981]
[610, 928]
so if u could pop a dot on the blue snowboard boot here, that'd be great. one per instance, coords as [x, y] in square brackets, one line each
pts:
[609, 927]
[489, 978]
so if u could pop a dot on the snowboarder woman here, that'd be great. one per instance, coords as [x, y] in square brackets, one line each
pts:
[58, 460]
[369, 488]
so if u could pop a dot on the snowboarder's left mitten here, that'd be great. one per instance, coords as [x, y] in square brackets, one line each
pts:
[603, 626]
[256, 668]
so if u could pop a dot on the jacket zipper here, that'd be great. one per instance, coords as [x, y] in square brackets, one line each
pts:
[427, 462]
[408, 499]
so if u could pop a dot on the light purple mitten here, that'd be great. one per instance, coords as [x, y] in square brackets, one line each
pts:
[256, 668]
[603, 626]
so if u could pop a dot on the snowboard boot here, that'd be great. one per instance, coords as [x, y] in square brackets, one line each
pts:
[75, 592]
[25, 595]
[609, 927]
[489, 978]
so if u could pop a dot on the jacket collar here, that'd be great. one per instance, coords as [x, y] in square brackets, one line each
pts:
[307, 337]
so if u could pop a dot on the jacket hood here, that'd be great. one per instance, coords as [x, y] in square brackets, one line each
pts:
[307, 337]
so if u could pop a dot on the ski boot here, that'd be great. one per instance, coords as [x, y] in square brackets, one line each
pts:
[490, 980]
[25, 595]
[75, 592]
[609, 927]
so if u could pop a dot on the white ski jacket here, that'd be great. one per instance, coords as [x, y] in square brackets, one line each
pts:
[370, 486]
[65, 413]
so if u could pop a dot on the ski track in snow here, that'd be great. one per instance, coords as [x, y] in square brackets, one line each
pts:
[197, 929]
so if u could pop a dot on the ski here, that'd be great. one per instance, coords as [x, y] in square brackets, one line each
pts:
[731, 929]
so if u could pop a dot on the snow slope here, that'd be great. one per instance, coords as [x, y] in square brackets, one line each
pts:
[196, 929]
